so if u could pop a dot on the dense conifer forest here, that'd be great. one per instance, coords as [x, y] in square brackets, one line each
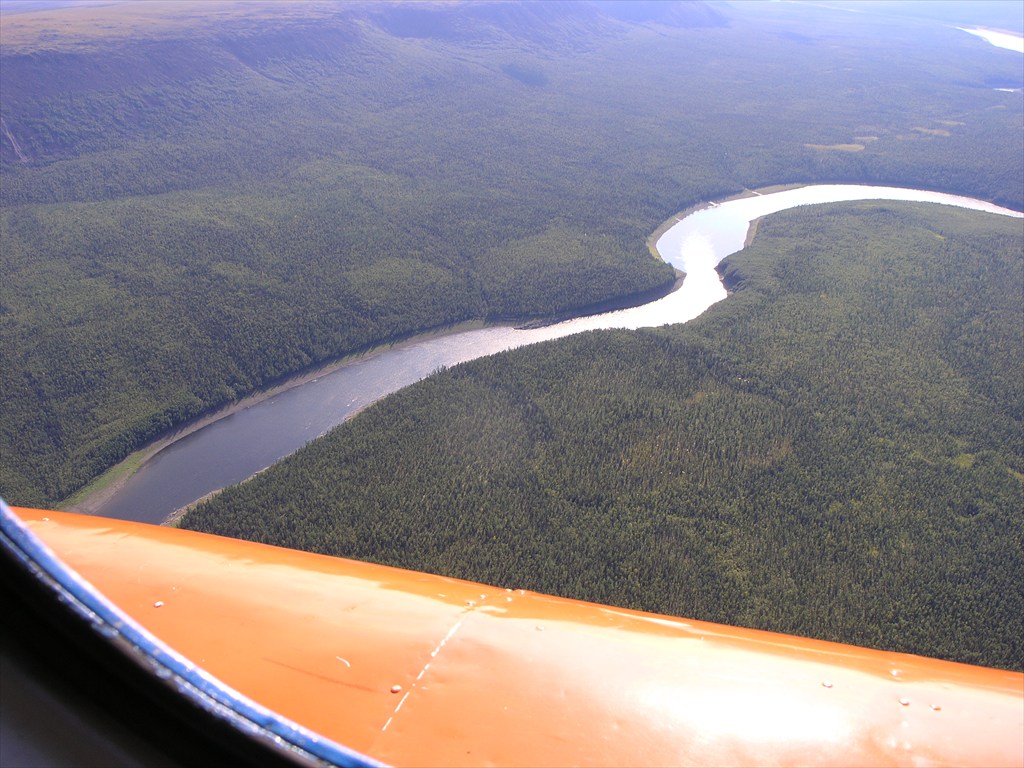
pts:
[192, 210]
[835, 450]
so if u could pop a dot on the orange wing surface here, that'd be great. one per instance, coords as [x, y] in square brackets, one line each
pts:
[415, 669]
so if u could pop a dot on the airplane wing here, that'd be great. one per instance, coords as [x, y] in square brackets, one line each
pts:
[293, 655]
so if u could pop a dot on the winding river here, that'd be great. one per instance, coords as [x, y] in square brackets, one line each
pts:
[235, 447]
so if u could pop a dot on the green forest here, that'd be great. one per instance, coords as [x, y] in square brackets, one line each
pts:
[836, 450]
[190, 211]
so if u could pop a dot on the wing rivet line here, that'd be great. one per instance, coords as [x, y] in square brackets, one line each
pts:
[433, 654]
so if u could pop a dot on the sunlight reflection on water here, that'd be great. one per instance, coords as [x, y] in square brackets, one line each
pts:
[1008, 40]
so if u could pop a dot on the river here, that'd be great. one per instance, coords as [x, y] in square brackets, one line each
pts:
[235, 447]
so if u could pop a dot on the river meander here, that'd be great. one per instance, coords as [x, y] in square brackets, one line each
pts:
[242, 443]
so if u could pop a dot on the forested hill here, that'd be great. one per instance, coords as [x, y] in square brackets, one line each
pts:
[200, 199]
[833, 451]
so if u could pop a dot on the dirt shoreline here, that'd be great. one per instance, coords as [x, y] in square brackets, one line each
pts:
[93, 501]
[671, 221]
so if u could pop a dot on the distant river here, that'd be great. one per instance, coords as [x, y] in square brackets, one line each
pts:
[1011, 41]
[236, 446]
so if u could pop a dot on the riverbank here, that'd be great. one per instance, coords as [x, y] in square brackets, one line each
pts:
[91, 498]
[675, 218]
[629, 301]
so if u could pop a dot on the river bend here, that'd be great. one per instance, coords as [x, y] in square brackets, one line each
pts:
[235, 447]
